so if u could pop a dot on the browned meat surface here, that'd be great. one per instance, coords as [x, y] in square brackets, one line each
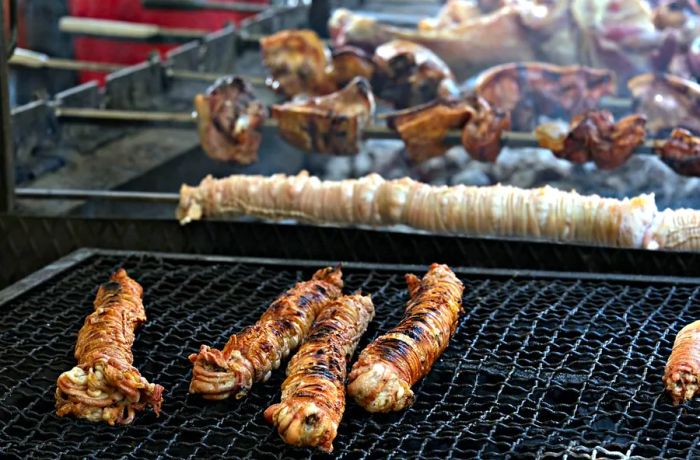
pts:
[105, 386]
[382, 377]
[408, 74]
[350, 62]
[667, 101]
[297, 61]
[423, 128]
[330, 124]
[530, 90]
[681, 151]
[594, 136]
[481, 136]
[313, 395]
[252, 354]
[682, 374]
[228, 118]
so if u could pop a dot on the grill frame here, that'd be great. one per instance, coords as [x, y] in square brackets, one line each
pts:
[473, 324]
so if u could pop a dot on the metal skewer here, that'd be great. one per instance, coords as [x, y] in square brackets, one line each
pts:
[205, 5]
[454, 137]
[112, 195]
[124, 29]
[36, 60]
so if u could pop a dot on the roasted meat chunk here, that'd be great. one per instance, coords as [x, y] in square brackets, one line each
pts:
[228, 117]
[481, 135]
[313, 394]
[423, 128]
[382, 377]
[328, 124]
[682, 375]
[667, 101]
[681, 151]
[349, 62]
[533, 89]
[408, 74]
[594, 136]
[252, 354]
[297, 61]
[105, 386]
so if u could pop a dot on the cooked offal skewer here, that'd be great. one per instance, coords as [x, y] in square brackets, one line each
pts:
[252, 354]
[682, 375]
[543, 213]
[382, 377]
[105, 386]
[228, 118]
[313, 395]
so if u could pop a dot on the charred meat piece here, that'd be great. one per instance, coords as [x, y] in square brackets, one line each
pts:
[481, 136]
[328, 124]
[667, 101]
[297, 61]
[252, 354]
[467, 47]
[530, 90]
[681, 152]
[682, 375]
[423, 128]
[313, 394]
[350, 62]
[594, 136]
[228, 117]
[408, 74]
[381, 379]
[105, 386]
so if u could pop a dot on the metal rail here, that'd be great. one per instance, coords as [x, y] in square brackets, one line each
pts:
[205, 5]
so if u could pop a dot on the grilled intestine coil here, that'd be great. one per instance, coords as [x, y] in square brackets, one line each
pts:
[674, 229]
[330, 124]
[313, 394]
[682, 375]
[542, 213]
[105, 386]
[252, 354]
[382, 377]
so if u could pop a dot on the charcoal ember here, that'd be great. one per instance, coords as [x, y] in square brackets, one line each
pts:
[228, 117]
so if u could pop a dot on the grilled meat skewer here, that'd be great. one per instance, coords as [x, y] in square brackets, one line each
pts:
[105, 386]
[252, 354]
[313, 395]
[382, 377]
[682, 375]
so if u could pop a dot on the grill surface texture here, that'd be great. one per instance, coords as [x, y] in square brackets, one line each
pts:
[538, 367]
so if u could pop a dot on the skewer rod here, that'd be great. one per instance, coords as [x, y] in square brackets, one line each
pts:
[123, 29]
[509, 138]
[205, 5]
[110, 195]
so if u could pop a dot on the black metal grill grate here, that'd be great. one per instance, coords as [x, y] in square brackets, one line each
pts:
[538, 368]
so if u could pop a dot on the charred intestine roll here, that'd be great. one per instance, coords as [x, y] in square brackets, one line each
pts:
[543, 213]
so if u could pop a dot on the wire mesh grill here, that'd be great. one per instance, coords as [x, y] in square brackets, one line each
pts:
[538, 368]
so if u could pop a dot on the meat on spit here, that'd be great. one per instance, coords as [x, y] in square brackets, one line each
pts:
[228, 117]
[328, 124]
[667, 101]
[595, 136]
[528, 90]
[408, 74]
[423, 128]
[681, 152]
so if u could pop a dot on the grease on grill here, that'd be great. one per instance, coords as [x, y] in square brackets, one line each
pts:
[537, 368]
